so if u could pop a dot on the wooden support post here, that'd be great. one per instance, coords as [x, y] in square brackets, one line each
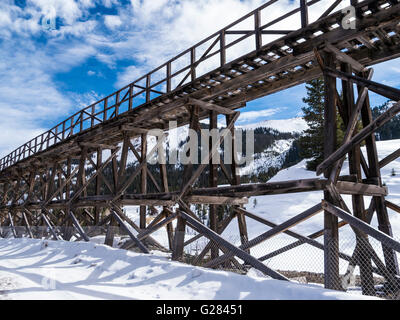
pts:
[28, 227]
[236, 181]
[304, 13]
[82, 171]
[169, 226]
[213, 182]
[331, 234]
[131, 235]
[99, 160]
[109, 240]
[257, 25]
[179, 239]
[14, 232]
[374, 171]
[67, 229]
[78, 227]
[367, 280]
[143, 179]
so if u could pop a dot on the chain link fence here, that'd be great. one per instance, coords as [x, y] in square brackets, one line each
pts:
[365, 265]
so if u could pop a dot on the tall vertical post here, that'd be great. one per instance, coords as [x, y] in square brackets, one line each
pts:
[213, 182]
[304, 13]
[367, 280]
[222, 43]
[375, 175]
[331, 232]
[236, 181]
[143, 179]
[179, 239]
[257, 25]
[67, 233]
[99, 161]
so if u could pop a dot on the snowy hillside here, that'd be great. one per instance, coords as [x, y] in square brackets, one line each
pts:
[274, 156]
[35, 269]
[286, 125]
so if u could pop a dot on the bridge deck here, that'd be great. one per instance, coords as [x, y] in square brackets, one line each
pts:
[278, 65]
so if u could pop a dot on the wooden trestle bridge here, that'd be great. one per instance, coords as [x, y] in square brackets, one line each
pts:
[46, 182]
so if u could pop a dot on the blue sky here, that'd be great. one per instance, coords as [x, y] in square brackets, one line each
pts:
[98, 46]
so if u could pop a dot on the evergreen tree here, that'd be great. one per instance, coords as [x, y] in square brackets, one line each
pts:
[312, 142]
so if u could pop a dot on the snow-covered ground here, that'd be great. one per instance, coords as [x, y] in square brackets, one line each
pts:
[42, 269]
[34, 269]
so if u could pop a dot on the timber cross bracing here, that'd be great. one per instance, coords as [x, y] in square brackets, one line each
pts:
[56, 184]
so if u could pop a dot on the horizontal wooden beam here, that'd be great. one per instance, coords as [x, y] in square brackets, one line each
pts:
[345, 187]
[210, 106]
[383, 90]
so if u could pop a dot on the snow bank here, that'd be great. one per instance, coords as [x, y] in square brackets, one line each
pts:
[44, 269]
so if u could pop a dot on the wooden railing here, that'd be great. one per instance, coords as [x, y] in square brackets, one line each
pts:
[165, 79]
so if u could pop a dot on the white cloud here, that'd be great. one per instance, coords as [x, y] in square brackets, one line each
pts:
[257, 115]
[112, 21]
[145, 33]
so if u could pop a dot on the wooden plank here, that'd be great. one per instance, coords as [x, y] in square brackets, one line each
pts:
[345, 187]
[234, 251]
[216, 200]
